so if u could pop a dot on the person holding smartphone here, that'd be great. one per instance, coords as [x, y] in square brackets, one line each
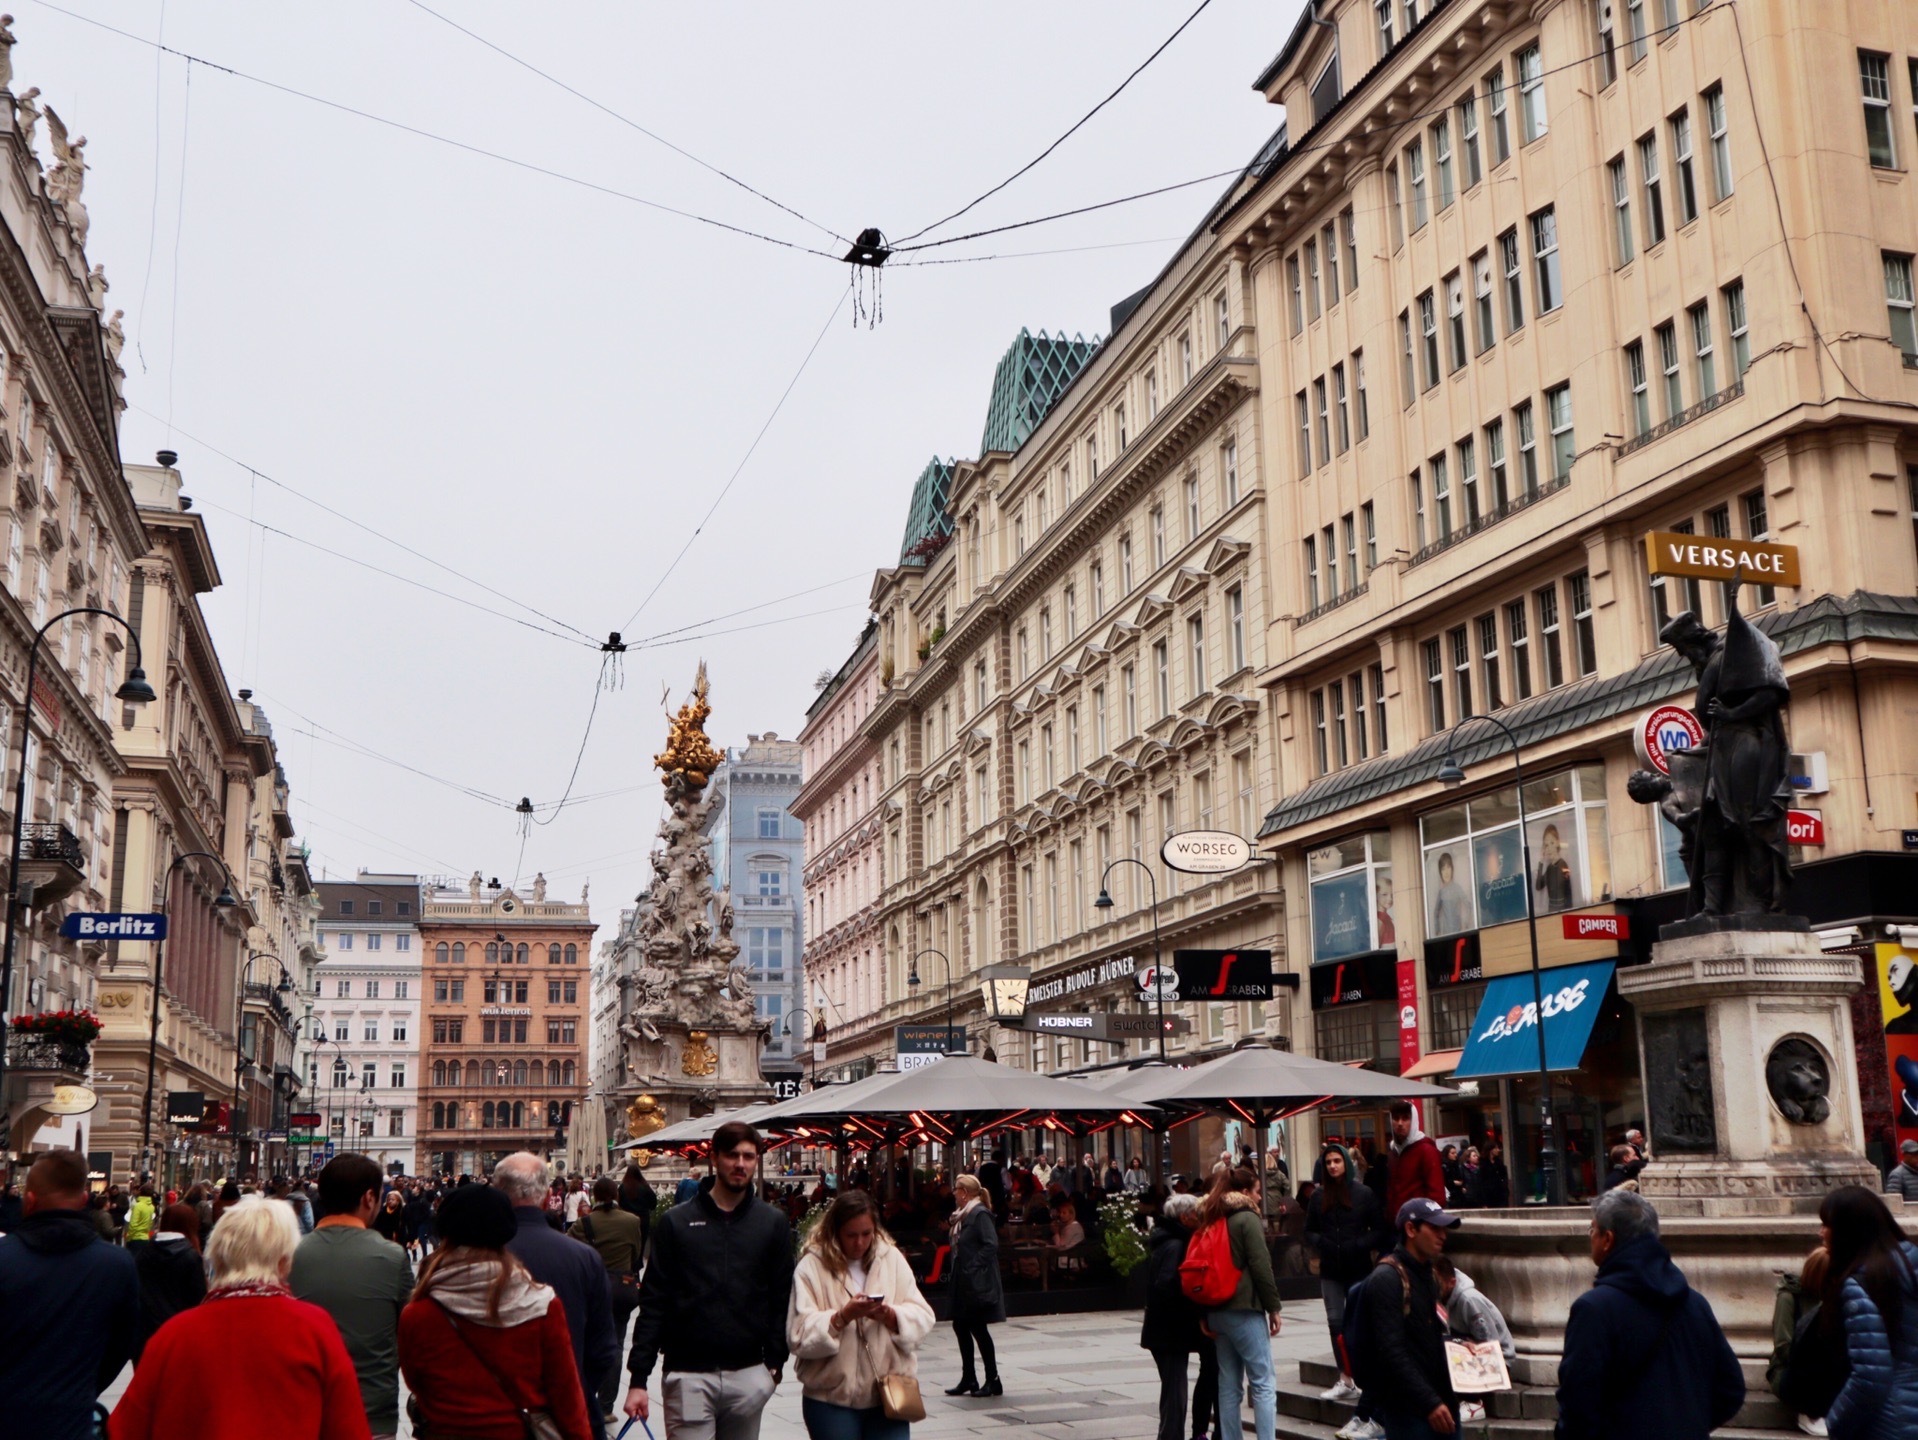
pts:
[856, 1317]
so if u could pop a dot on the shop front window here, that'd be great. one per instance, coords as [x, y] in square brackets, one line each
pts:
[1473, 857]
[1366, 1033]
[1351, 889]
[1452, 1011]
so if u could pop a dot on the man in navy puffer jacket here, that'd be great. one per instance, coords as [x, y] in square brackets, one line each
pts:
[1643, 1351]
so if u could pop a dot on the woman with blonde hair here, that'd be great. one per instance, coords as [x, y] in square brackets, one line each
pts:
[978, 1294]
[856, 1317]
[483, 1346]
[250, 1360]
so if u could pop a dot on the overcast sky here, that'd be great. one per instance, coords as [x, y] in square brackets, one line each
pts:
[545, 387]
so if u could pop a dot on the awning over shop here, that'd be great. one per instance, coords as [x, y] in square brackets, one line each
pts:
[1503, 1040]
[1438, 1062]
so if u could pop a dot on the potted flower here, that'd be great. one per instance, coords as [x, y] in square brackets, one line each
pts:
[60, 1027]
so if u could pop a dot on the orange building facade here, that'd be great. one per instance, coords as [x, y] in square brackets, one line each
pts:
[503, 1033]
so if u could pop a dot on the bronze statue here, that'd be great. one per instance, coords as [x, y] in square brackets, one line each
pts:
[1729, 800]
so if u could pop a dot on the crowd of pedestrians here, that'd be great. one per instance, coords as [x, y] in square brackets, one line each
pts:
[496, 1309]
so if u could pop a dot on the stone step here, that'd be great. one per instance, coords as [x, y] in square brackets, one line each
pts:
[1523, 1408]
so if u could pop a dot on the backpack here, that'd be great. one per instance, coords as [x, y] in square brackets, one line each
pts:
[1358, 1344]
[1207, 1275]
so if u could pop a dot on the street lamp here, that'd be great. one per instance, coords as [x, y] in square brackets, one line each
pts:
[815, 1036]
[223, 901]
[1452, 775]
[134, 690]
[284, 989]
[1104, 902]
[912, 979]
[320, 1038]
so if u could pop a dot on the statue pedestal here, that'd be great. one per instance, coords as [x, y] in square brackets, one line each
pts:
[691, 1072]
[1746, 1045]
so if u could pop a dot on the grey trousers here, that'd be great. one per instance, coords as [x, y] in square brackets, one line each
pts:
[716, 1404]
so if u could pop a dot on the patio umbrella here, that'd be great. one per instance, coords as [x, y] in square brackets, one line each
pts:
[1260, 1085]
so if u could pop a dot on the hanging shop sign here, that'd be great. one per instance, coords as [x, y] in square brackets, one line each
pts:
[1597, 927]
[70, 1100]
[1206, 852]
[1224, 974]
[185, 1107]
[1158, 984]
[1372, 976]
[1408, 1015]
[1700, 557]
[1805, 827]
[1662, 732]
[1504, 1035]
[112, 926]
[1454, 960]
[1103, 1025]
[918, 1045]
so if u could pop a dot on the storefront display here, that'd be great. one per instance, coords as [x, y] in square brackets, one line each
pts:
[1351, 894]
[1473, 858]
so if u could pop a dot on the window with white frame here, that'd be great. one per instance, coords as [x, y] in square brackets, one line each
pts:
[1547, 289]
[1531, 94]
[1162, 677]
[1584, 638]
[1349, 890]
[1364, 409]
[1472, 853]
[1455, 320]
[1674, 389]
[1342, 412]
[1558, 414]
[1719, 134]
[1651, 190]
[1899, 302]
[1684, 171]
[1495, 118]
[1640, 385]
[1484, 323]
[1737, 329]
[1442, 160]
[1518, 649]
[1704, 360]
[1874, 74]
[1512, 268]
[1623, 242]
[1235, 629]
[1469, 155]
[1229, 472]
[1415, 181]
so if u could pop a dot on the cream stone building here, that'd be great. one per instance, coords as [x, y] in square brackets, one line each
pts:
[1530, 282]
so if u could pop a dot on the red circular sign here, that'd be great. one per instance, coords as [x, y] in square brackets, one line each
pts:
[1665, 730]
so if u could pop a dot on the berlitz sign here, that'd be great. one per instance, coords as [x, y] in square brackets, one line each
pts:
[1206, 852]
[1697, 557]
[109, 926]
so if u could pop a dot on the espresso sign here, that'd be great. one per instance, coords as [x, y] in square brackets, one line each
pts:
[1702, 557]
[1206, 852]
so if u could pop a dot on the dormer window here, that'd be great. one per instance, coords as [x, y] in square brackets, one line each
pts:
[1325, 90]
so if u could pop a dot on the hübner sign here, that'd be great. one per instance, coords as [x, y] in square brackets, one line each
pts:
[1206, 852]
[1696, 557]
[1118, 967]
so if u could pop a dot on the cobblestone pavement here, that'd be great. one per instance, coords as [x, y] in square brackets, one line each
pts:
[1067, 1377]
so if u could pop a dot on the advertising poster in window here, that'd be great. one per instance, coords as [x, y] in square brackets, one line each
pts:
[1898, 1003]
[1555, 864]
[1340, 912]
[1501, 878]
[1448, 892]
[1387, 931]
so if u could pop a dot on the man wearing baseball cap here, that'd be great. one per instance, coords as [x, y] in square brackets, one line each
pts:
[1903, 1180]
[1408, 1386]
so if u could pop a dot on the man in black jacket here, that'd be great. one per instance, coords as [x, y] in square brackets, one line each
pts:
[714, 1302]
[69, 1307]
[1407, 1384]
[1643, 1352]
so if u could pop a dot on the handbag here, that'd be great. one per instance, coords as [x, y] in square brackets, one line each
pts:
[538, 1424]
[899, 1395]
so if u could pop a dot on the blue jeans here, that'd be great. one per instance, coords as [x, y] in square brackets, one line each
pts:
[827, 1421]
[1245, 1362]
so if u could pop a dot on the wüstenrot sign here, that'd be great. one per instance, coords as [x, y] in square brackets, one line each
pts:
[1702, 557]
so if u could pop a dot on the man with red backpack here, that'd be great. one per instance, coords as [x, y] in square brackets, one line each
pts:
[1417, 1173]
[1227, 1272]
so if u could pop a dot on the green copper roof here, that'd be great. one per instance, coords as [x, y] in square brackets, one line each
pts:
[927, 517]
[1032, 375]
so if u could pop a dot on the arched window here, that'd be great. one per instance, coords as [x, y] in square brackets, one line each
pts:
[473, 1073]
[439, 1073]
[439, 1114]
[459, 952]
[519, 1114]
[486, 1116]
[440, 953]
[522, 956]
[566, 1113]
[572, 954]
[552, 1112]
[492, 952]
[552, 1073]
[982, 926]
[519, 1072]
[566, 1073]
[552, 954]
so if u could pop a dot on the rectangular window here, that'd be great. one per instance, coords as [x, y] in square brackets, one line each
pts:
[1348, 227]
[1235, 638]
[1418, 509]
[1406, 382]
[1394, 204]
[1343, 415]
[1495, 116]
[1622, 239]
[1667, 336]
[1222, 318]
[1514, 285]
[1356, 684]
[1558, 414]
[1130, 697]
[1434, 686]
[1303, 408]
[1370, 521]
[1531, 94]
[1382, 10]
[1527, 447]
[1415, 181]
[1329, 242]
[1118, 420]
[1554, 672]
[1321, 751]
[1519, 643]
[1294, 275]
[1378, 708]
[1428, 338]
[1702, 356]
[1229, 474]
[1468, 481]
[1455, 319]
[1192, 528]
[1442, 160]
[1162, 676]
[1488, 661]
[1350, 529]
[1758, 527]
[1330, 543]
[1442, 496]
[1737, 329]
[1683, 169]
[1195, 648]
[1468, 140]
[1549, 292]
[1486, 326]
[1311, 572]
[1358, 387]
[1721, 143]
[1640, 384]
[1584, 638]
[1635, 28]
[1323, 409]
[1340, 750]
[1461, 642]
[1495, 467]
[1607, 53]
[1125, 564]
[1651, 189]
[1874, 74]
[1899, 303]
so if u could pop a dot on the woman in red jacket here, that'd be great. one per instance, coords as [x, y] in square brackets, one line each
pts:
[249, 1360]
[482, 1342]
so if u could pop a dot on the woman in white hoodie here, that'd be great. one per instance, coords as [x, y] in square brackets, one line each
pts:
[856, 1317]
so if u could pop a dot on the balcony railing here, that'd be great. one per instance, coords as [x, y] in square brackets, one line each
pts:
[1683, 417]
[1518, 502]
[1330, 605]
[43, 840]
[41, 1052]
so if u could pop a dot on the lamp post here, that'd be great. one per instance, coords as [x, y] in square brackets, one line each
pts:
[223, 901]
[134, 690]
[285, 988]
[912, 979]
[1104, 902]
[339, 1058]
[815, 1033]
[1451, 775]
